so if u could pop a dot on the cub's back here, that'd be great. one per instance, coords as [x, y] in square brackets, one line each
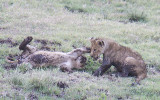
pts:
[131, 53]
[47, 57]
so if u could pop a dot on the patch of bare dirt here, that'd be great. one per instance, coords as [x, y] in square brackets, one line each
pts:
[8, 41]
[45, 48]
[74, 47]
[120, 98]
[17, 88]
[62, 85]
[32, 96]
[10, 66]
[2, 28]
[71, 9]
[45, 42]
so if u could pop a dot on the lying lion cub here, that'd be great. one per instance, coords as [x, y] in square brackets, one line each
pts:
[125, 60]
[66, 61]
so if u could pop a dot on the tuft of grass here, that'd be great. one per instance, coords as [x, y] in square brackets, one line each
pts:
[17, 81]
[51, 90]
[137, 16]
[36, 84]
[91, 65]
[44, 86]
[24, 67]
[75, 9]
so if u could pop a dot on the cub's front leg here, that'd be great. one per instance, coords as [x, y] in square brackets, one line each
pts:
[79, 52]
[104, 67]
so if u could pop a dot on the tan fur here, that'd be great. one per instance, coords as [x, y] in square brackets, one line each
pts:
[119, 56]
[10, 60]
[66, 60]
[38, 58]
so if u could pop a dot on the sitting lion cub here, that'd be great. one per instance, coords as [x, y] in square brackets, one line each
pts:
[66, 61]
[125, 60]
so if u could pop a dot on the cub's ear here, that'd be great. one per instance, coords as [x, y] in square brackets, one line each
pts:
[100, 43]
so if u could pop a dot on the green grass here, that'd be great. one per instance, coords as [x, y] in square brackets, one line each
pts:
[132, 23]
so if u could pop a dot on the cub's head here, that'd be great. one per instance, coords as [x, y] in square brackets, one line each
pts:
[81, 62]
[98, 47]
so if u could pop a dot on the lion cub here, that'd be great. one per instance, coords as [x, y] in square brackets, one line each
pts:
[66, 61]
[125, 60]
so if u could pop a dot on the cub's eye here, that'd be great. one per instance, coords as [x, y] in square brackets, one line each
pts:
[94, 49]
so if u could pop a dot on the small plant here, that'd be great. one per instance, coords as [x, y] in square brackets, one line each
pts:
[91, 65]
[75, 9]
[44, 88]
[51, 90]
[57, 91]
[136, 16]
[36, 84]
[47, 91]
[103, 96]
[24, 67]
[17, 81]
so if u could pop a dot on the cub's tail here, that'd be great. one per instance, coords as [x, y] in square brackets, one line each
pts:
[10, 60]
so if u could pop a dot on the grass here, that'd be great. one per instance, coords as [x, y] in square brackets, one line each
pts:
[137, 17]
[132, 23]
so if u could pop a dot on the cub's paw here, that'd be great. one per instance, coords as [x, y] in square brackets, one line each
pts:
[29, 39]
[26, 41]
[86, 49]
